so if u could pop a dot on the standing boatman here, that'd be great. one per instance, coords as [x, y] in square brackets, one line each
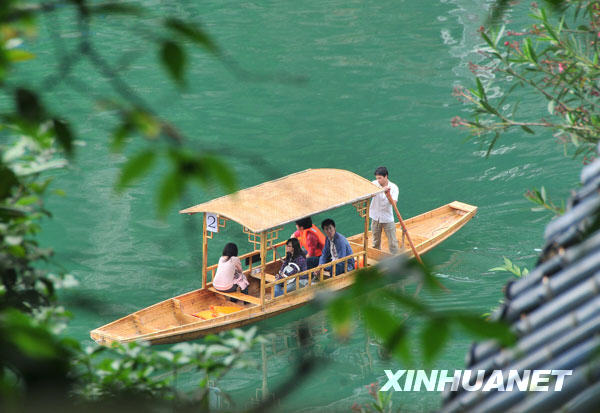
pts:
[381, 213]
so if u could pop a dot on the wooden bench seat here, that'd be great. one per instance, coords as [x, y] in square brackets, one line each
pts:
[240, 296]
[268, 277]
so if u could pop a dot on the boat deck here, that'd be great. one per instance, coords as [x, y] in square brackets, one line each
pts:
[422, 229]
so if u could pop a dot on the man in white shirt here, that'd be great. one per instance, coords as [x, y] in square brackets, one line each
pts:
[381, 212]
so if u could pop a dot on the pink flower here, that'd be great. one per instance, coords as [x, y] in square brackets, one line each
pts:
[506, 43]
[373, 389]
[561, 67]
[456, 121]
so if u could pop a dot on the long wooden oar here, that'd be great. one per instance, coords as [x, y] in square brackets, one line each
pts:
[412, 246]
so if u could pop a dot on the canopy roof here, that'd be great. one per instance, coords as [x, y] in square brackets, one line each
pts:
[275, 203]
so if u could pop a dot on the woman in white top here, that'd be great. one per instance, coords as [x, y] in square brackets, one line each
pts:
[229, 274]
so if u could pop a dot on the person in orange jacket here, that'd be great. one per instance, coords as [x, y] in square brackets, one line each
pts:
[311, 239]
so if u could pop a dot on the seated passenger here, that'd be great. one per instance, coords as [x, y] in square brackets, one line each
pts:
[229, 276]
[293, 263]
[311, 239]
[336, 247]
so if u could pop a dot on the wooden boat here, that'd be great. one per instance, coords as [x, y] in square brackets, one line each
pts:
[262, 211]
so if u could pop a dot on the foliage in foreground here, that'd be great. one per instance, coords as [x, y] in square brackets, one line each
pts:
[36, 359]
[376, 290]
[37, 363]
[512, 268]
[555, 59]
[40, 366]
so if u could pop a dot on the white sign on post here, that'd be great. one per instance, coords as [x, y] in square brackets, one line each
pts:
[212, 222]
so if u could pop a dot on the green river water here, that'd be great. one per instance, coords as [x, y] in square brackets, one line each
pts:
[378, 91]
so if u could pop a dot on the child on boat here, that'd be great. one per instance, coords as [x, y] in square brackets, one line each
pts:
[293, 263]
[229, 276]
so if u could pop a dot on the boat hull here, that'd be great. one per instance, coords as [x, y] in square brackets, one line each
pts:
[173, 320]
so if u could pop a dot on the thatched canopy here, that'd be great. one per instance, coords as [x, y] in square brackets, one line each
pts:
[275, 203]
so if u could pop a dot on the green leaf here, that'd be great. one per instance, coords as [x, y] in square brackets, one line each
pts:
[379, 321]
[388, 329]
[8, 180]
[28, 105]
[499, 35]
[170, 190]
[173, 57]
[119, 135]
[433, 337]
[63, 134]
[105, 365]
[193, 33]
[492, 144]
[18, 55]
[17, 251]
[221, 171]
[488, 41]
[35, 344]
[340, 310]
[530, 51]
[407, 301]
[340, 314]
[145, 122]
[527, 129]
[543, 193]
[488, 107]
[486, 329]
[480, 89]
[8, 212]
[27, 200]
[136, 167]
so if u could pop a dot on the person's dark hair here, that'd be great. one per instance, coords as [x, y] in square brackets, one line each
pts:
[305, 223]
[298, 251]
[230, 250]
[382, 170]
[327, 222]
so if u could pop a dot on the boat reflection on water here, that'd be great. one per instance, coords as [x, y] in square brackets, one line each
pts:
[279, 377]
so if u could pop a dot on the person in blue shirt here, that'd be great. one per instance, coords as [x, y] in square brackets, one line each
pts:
[336, 247]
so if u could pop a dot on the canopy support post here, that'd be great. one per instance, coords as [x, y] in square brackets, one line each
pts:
[362, 207]
[366, 235]
[204, 250]
[263, 261]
